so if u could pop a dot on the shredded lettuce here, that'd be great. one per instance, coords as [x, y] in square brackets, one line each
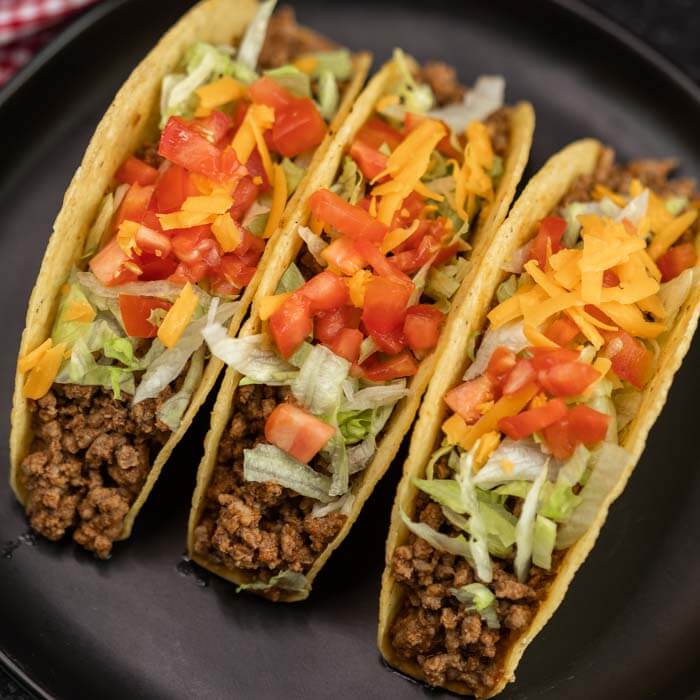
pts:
[172, 410]
[367, 349]
[443, 543]
[374, 396]
[293, 174]
[485, 97]
[286, 581]
[292, 79]
[435, 458]
[169, 364]
[476, 596]
[268, 463]
[446, 492]
[291, 280]
[507, 289]
[510, 335]
[319, 384]
[525, 529]
[350, 183]
[608, 462]
[342, 505]
[314, 244]
[69, 332]
[627, 403]
[544, 537]
[673, 294]
[254, 37]
[360, 455]
[415, 97]
[675, 205]
[338, 63]
[101, 226]
[328, 94]
[337, 454]
[525, 457]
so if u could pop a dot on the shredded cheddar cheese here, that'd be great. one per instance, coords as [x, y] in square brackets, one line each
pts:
[185, 219]
[178, 316]
[215, 203]
[227, 233]
[32, 359]
[42, 374]
[258, 119]
[80, 311]
[279, 199]
[218, 93]
[395, 238]
[357, 285]
[270, 304]
[126, 237]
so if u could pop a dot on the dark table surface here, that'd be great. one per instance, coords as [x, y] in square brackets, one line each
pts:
[672, 27]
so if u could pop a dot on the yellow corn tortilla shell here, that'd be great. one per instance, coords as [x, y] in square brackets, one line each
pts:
[537, 200]
[522, 127]
[130, 120]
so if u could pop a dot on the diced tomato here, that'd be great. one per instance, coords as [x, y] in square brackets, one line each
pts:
[375, 132]
[342, 255]
[429, 249]
[422, 327]
[544, 358]
[581, 425]
[136, 310]
[676, 260]
[411, 209]
[194, 245]
[250, 249]
[521, 375]
[348, 219]
[108, 266]
[370, 161]
[171, 190]
[390, 342]
[298, 128]
[135, 171]
[610, 279]
[567, 379]
[244, 195]
[466, 398]
[631, 361]
[329, 324]
[347, 344]
[385, 305]
[239, 112]
[380, 264]
[297, 432]
[325, 291]
[235, 271]
[155, 268]
[156, 242]
[134, 204]
[229, 167]
[562, 331]
[215, 127]
[256, 169]
[551, 229]
[189, 273]
[502, 361]
[182, 144]
[598, 314]
[532, 421]
[291, 324]
[267, 91]
[384, 370]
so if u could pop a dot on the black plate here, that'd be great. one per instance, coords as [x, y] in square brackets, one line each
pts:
[145, 626]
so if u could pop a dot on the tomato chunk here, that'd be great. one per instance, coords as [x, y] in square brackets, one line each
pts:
[422, 327]
[677, 260]
[532, 421]
[108, 265]
[370, 161]
[267, 91]
[567, 378]
[347, 344]
[380, 264]
[375, 132]
[502, 361]
[562, 331]
[182, 144]
[342, 255]
[466, 398]
[348, 219]
[244, 196]
[136, 310]
[581, 425]
[156, 268]
[325, 291]
[235, 271]
[383, 370]
[155, 242]
[297, 432]
[298, 127]
[631, 361]
[135, 171]
[134, 204]
[291, 324]
[171, 190]
[551, 230]
[390, 342]
[385, 305]
[215, 127]
[544, 358]
[522, 374]
[329, 324]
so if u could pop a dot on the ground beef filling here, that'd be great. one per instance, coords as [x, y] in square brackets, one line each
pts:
[286, 40]
[654, 174]
[89, 459]
[432, 628]
[498, 124]
[261, 528]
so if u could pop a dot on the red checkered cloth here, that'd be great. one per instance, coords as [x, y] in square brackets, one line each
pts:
[26, 25]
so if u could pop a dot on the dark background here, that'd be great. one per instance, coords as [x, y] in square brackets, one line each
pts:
[670, 26]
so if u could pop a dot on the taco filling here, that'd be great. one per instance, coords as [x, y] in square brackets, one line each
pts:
[186, 221]
[531, 447]
[364, 303]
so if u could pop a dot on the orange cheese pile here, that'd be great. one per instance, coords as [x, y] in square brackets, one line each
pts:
[218, 93]
[574, 278]
[258, 119]
[472, 179]
[178, 316]
[42, 365]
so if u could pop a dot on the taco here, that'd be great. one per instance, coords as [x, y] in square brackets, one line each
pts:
[328, 373]
[587, 302]
[196, 165]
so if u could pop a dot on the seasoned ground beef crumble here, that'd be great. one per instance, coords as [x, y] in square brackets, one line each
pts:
[88, 461]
